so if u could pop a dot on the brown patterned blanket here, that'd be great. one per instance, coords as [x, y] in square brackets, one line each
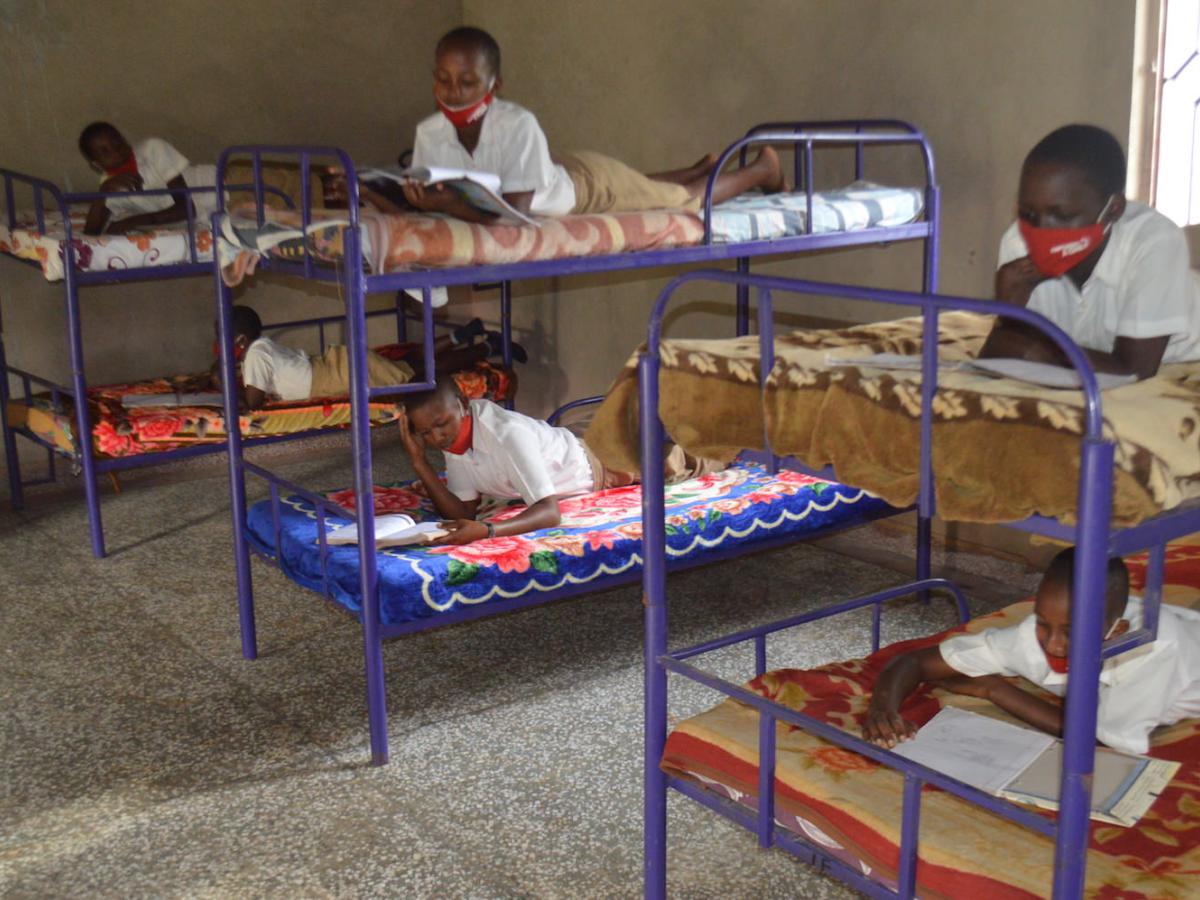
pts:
[1003, 449]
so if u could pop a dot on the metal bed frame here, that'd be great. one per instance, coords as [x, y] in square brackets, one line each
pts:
[85, 457]
[1095, 543]
[805, 137]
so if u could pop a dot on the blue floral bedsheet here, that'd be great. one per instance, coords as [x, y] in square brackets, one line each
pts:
[600, 535]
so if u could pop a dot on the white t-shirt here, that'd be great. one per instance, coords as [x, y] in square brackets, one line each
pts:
[511, 145]
[158, 163]
[1155, 684]
[276, 370]
[1142, 287]
[513, 455]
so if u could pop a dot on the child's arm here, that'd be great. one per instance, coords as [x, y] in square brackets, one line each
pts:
[1039, 713]
[447, 504]
[98, 213]
[543, 514]
[176, 212]
[884, 725]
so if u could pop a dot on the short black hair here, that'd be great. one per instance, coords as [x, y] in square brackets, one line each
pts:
[470, 38]
[93, 131]
[1116, 581]
[246, 322]
[1091, 150]
[445, 388]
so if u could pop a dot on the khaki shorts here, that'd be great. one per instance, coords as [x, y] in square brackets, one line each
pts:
[678, 466]
[331, 372]
[607, 185]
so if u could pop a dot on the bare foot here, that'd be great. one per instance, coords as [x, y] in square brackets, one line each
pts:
[772, 180]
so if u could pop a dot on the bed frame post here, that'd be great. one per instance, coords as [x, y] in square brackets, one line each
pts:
[364, 489]
[933, 213]
[926, 497]
[506, 329]
[654, 598]
[743, 298]
[237, 474]
[401, 318]
[1087, 635]
[83, 421]
[12, 460]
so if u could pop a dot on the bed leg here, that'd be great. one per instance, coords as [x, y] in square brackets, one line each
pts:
[12, 461]
[743, 298]
[654, 586]
[924, 552]
[83, 423]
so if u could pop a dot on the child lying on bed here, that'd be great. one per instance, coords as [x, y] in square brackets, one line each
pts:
[508, 456]
[273, 371]
[1155, 684]
[1112, 273]
[475, 130]
[126, 171]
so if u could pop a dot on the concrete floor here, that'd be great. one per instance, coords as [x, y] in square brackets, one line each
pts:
[141, 756]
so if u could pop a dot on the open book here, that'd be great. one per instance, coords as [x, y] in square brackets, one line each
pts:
[1018, 369]
[396, 530]
[201, 398]
[480, 190]
[1024, 765]
[247, 234]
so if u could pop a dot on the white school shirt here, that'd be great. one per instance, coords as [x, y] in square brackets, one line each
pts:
[157, 163]
[1142, 287]
[279, 371]
[1155, 684]
[513, 455]
[511, 145]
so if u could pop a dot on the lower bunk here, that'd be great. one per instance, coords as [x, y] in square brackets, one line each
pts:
[850, 806]
[597, 545]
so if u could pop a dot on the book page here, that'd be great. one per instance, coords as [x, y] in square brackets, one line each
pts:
[982, 752]
[896, 361]
[385, 527]
[205, 398]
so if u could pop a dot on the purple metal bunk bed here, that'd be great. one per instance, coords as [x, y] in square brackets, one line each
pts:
[1095, 541]
[805, 137]
[75, 278]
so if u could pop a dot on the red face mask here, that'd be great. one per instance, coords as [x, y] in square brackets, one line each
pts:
[127, 167]
[238, 351]
[1057, 664]
[1056, 251]
[462, 441]
[461, 116]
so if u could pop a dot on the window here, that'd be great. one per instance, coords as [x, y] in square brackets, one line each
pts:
[1165, 128]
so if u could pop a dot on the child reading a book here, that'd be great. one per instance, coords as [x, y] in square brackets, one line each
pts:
[126, 171]
[1112, 273]
[475, 130]
[1140, 689]
[508, 456]
[272, 371]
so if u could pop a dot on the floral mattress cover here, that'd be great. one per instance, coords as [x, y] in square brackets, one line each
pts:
[162, 246]
[120, 430]
[396, 242]
[851, 805]
[600, 535]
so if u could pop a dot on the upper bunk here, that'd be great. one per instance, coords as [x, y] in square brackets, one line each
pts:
[415, 250]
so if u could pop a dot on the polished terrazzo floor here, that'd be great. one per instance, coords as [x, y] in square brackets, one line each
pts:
[141, 756]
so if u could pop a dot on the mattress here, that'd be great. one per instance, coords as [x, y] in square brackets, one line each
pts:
[162, 246]
[125, 430]
[865, 422]
[850, 805]
[599, 536]
[403, 241]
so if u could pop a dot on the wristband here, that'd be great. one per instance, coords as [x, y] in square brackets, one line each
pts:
[491, 529]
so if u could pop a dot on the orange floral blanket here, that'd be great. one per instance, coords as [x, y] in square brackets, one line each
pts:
[965, 851]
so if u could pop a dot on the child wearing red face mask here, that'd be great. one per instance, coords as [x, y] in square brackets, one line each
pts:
[125, 171]
[1112, 273]
[476, 130]
[1140, 689]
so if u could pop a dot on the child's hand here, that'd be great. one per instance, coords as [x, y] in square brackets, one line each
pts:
[887, 727]
[333, 186]
[462, 531]
[1016, 280]
[126, 181]
[429, 198]
[413, 443]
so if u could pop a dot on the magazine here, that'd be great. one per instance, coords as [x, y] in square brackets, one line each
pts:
[480, 190]
[396, 530]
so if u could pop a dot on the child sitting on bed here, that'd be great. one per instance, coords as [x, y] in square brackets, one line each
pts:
[1155, 684]
[272, 371]
[126, 171]
[475, 130]
[508, 456]
[1112, 273]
